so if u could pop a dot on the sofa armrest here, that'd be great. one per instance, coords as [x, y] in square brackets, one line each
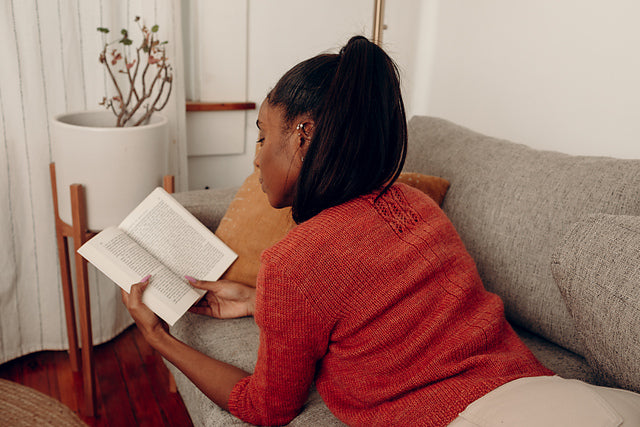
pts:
[208, 206]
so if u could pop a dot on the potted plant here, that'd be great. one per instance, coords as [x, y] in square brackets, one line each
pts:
[118, 154]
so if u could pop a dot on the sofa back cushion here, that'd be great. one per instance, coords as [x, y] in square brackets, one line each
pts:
[597, 269]
[512, 205]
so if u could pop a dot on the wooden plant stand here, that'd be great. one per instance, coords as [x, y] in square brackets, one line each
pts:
[80, 234]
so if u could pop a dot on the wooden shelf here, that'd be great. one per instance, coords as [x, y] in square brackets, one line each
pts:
[220, 106]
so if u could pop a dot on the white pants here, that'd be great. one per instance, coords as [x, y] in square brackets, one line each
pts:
[550, 402]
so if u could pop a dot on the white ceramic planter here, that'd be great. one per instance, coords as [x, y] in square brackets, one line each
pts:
[118, 167]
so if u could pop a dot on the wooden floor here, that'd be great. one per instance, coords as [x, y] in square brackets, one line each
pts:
[132, 383]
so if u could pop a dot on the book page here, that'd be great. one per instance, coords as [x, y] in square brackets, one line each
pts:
[121, 259]
[174, 236]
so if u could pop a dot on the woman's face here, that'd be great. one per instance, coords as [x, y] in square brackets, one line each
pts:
[278, 157]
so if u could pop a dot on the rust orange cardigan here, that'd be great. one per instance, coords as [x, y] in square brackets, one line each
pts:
[379, 303]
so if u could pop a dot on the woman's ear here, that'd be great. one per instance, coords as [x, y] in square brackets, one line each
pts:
[304, 130]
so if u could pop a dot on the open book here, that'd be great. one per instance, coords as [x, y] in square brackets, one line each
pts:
[160, 237]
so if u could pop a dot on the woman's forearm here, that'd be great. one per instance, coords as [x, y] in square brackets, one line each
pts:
[214, 378]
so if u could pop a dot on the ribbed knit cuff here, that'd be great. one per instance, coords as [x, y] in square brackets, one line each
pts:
[235, 396]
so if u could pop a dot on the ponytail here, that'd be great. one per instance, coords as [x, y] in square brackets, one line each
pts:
[359, 142]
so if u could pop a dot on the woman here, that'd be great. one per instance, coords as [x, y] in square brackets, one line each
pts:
[373, 295]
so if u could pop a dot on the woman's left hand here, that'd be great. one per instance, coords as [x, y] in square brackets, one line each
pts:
[151, 326]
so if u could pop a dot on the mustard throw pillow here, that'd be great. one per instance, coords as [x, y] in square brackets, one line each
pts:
[251, 224]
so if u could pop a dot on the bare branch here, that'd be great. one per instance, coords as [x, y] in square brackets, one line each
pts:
[135, 72]
[169, 79]
[113, 78]
[166, 101]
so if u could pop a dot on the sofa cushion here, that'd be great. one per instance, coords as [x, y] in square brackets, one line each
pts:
[209, 206]
[433, 186]
[252, 225]
[511, 206]
[597, 269]
[561, 361]
[249, 226]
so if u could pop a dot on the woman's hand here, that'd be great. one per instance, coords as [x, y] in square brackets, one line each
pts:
[151, 326]
[224, 299]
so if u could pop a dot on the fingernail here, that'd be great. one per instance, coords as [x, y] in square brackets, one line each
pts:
[145, 278]
[190, 279]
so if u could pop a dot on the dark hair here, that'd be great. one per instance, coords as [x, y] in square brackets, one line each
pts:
[359, 142]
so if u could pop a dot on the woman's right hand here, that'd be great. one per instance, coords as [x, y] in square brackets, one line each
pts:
[224, 299]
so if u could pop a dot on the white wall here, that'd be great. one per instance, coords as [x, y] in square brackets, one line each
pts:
[560, 75]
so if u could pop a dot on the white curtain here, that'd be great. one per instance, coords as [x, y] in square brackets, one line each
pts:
[48, 66]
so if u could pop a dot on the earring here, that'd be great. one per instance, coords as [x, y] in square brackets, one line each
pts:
[300, 126]
[302, 158]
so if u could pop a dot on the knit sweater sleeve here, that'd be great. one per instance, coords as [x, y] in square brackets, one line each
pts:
[292, 339]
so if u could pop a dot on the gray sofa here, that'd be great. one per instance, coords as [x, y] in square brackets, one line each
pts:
[556, 236]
